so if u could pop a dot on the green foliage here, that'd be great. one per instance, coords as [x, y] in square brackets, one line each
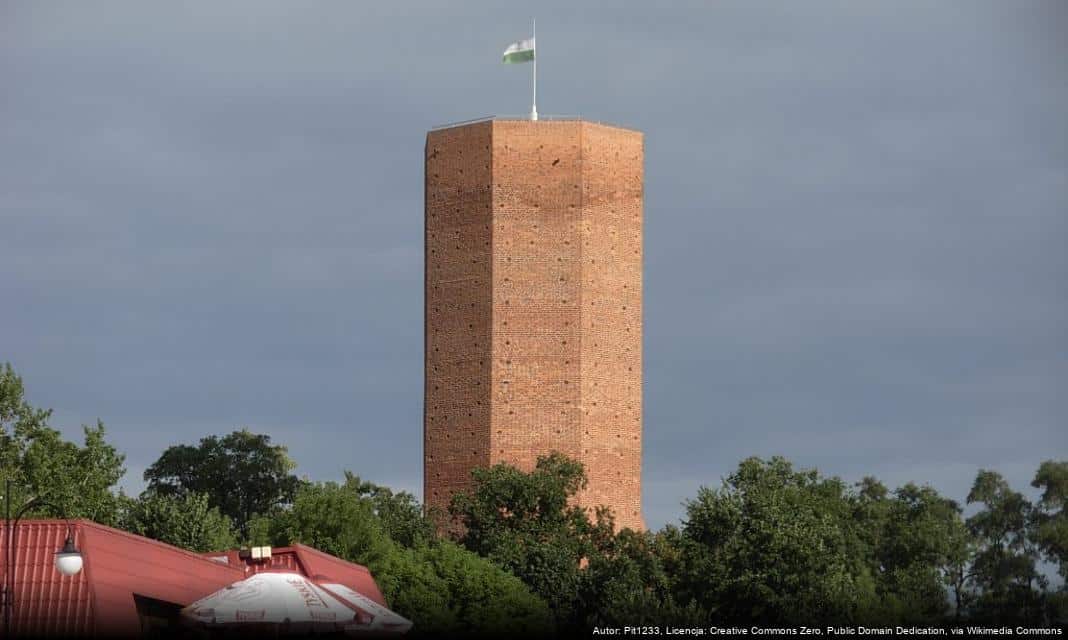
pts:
[79, 480]
[589, 574]
[526, 523]
[400, 513]
[186, 521]
[242, 474]
[1051, 516]
[777, 545]
[335, 519]
[628, 584]
[1004, 566]
[441, 587]
[915, 541]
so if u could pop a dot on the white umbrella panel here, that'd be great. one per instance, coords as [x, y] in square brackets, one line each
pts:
[294, 603]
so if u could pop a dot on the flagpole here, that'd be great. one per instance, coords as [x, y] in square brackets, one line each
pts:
[534, 107]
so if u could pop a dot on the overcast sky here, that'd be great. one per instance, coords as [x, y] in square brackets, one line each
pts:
[856, 216]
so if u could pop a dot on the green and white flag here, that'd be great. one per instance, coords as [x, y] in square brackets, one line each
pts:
[522, 51]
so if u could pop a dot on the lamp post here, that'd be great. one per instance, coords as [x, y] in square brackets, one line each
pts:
[68, 559]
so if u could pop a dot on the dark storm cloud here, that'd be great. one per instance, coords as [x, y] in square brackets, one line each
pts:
[855, 219]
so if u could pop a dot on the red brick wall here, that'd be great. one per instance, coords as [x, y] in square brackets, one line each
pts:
[458, 309]
[533, 304]
[611, 353]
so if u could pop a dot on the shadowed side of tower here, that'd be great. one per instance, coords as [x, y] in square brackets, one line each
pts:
[533, 304]
[458, 309]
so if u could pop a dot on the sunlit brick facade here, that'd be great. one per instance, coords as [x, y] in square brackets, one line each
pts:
[534, 304]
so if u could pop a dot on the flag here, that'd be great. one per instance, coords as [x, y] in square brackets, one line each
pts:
[522, 51]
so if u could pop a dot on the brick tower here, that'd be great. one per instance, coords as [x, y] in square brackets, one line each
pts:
[534, 304]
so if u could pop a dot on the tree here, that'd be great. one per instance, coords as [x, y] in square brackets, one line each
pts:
[242, 474]
[917, 543]
[441, 587]
[400, 513]
[628, 584]
[527, 524]
[1050, 531]
[1004, 567]
[776, 545]
[185, 521]
[1051, 516]
[79, 480]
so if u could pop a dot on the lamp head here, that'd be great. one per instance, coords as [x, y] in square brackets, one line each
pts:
[69, 559]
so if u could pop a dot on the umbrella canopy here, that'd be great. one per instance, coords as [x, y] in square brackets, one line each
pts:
[294, 603]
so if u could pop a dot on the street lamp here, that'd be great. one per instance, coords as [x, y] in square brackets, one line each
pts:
[68, 559]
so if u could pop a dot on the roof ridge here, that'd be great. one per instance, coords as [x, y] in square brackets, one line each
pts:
[298, 548]
[83, 522]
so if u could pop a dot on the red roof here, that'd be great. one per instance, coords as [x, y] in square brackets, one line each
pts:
[308, 562]
[100, 600]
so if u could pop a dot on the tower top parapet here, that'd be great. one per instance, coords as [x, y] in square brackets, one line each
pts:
[541, 119]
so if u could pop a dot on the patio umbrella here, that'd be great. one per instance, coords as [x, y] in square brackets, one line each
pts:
[291, 602]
